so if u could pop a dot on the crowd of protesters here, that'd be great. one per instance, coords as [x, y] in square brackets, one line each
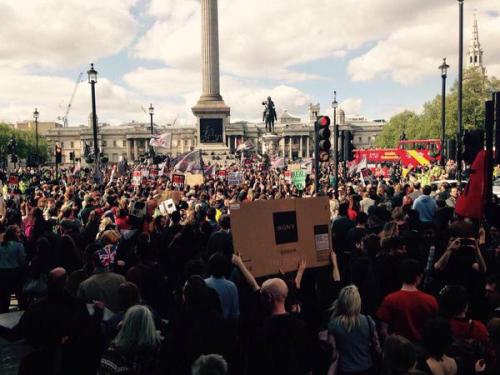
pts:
[110, 285]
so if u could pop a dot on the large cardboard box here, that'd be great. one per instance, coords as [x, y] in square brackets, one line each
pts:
[276, 234]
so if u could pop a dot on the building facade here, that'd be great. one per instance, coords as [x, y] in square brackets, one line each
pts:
[131, 140]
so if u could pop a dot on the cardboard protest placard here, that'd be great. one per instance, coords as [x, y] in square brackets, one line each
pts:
[222, 173]
[294, 167]
[234, 178]
[178, 181]
[275, 235]
[288, 177]
[167, 207]
[299, 179]
[194, 179]
[175, 195]
[136, 178]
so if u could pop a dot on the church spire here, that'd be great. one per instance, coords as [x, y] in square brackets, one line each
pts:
[475, 52]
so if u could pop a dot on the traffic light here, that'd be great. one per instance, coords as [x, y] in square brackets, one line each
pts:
[347, 147]
[323, 137]
[473, 143]
[58, 154]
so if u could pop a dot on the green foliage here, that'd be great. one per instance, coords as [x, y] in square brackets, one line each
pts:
[25, 141]
[477, 88]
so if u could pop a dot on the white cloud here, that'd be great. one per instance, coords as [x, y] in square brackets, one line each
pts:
[262, 38]
[244, 96]
[164, 81]
[22, 92]
[351, 106]
[415, 50]
[56, 33]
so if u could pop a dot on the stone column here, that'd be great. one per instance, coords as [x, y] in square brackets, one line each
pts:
[136, 152]
[307, 147]
[283, 144]
[210, 51]
[301, 148]
[129, 156]
[290, 143]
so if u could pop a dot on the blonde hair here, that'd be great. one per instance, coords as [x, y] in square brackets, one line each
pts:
[138, 330]
[347, 307]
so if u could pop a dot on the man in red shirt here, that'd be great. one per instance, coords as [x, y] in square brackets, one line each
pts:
[405, 312]
[454, 306]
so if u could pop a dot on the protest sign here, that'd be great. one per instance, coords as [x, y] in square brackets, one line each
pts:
[288, 177]
[136, 178]
[222, 173]
[299, 179]
[145, 173]
[167, 207]
[283, 232]
[178, 181]
[194, 179]
[234, 178]
[294, 167]
[172, 194]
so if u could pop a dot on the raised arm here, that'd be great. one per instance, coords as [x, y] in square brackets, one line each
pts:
[443, 261]
[238, 262]
[335, 266]
[300, 273]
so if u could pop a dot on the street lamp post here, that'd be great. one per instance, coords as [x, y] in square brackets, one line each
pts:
[460, 79]
[444, 72]
[92, 75]
[35, 116]
[335, 105]
[151, 113]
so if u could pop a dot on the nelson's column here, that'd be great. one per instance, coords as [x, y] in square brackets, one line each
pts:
[211, 112]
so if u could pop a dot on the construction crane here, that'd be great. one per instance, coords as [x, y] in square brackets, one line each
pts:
[68, 108]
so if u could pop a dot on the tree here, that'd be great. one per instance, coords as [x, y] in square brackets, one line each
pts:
[25, 142]
[477, 88]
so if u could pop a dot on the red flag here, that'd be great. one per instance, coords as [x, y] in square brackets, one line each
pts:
[473, 200]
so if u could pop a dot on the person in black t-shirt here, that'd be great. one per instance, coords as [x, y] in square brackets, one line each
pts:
[282, 345]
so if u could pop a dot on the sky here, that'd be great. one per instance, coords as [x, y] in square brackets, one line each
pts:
[381, 56]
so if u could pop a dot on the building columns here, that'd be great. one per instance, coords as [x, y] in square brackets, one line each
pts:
[129, 156]
[307, 147]
[301, 148]
[136, 152]
[290, 142]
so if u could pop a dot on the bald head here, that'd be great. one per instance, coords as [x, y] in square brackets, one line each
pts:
[275, 289]
[57, 280]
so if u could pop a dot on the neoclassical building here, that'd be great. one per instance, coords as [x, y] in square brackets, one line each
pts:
[130, 140]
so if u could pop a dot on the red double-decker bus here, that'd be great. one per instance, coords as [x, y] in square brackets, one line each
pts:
[416, 152]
